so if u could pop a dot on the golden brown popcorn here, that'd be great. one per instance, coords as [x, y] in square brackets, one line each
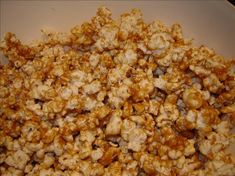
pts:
[17, 159]
[128, 57]
[171, 81]
[176, 31]
[114, 125]
[97, 154]
[30, 131]
[136, 138]
[114, 169]
[4, 92]
[48, 161]
[107, 38]
[158, 42]
[109, 156]
[115, 98]
[212, 83]
[127, 127]
[131, 24]
[156, 27]
[10, 171]
[192, 98]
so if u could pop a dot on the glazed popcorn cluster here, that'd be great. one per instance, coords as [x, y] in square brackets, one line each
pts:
[115, 98]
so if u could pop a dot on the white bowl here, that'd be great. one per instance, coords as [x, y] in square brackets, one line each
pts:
[209, 22]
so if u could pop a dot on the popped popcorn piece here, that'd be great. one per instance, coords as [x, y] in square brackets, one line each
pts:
[130, 24]
[109, 156]
[78, 77]
[212, 83]
[136, 138]
[30, 131]
[90, 103]
[107, 37]
[189, 149]
[18, 159]
[128, 57]
[177, 31]
[154, 106]
[94, 59]
[158, 42]
[200, 70]
[205, 147]
[115, 123]
[192, 98]
[48, 161]
[96, 154]
[117, 74]
[11, 171]
[69, 161]
[118, 95]
[36, 108]
[92, 88]
[65, 92]
[88, 136]
[174, 154]
[157, 26]
[127, 127]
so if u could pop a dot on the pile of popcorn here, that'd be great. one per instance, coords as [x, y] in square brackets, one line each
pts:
[115, 98]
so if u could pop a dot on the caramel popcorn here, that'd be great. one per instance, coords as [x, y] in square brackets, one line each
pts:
[115, 98]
